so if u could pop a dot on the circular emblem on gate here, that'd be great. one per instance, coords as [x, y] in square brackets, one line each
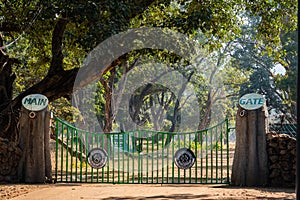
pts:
[97, 158]
[184, 158]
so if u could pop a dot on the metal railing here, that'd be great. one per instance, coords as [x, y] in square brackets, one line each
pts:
[142, 156]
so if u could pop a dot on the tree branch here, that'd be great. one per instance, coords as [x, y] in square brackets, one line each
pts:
[57, 41]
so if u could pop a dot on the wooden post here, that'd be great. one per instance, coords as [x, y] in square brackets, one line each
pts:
[250, 164]
[35, 164]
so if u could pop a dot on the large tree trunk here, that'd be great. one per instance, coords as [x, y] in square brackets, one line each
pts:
[8, 116]
[250, 164]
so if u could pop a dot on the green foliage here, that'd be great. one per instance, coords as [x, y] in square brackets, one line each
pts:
[289, 60]
[275, 17]
[211, 18]
[270, 39]
[64, 110]
[196, 146]
[259, 63]
[81, 165]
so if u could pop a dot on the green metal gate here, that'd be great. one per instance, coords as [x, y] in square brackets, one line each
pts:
[142, 156]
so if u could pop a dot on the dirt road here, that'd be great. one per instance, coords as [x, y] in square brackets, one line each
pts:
[138, 192]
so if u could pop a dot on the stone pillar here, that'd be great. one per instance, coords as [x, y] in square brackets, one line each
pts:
[35, 164]
[250, 164]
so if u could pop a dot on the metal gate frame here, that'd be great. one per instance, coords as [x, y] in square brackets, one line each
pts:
[142, 156]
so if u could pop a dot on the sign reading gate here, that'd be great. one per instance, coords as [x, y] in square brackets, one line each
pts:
[252, 101]
[35, 102]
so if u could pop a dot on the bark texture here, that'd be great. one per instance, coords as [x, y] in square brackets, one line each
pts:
[35, 164]
[250, 164]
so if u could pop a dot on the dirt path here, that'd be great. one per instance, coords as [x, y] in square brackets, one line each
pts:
[138, 192]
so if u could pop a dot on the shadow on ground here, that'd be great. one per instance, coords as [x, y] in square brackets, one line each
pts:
[265, 189]
[171, 196]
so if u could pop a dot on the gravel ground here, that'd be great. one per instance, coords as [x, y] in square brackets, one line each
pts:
[139, 192]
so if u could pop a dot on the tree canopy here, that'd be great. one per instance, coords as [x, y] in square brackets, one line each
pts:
[43, 43]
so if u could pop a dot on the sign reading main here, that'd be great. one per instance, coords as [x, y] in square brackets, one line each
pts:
[35, 102]
[252, 101]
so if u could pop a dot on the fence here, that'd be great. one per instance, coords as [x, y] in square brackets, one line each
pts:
[143, 156]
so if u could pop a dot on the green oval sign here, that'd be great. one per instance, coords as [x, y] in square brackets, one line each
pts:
[35, 102]
[252, 101]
